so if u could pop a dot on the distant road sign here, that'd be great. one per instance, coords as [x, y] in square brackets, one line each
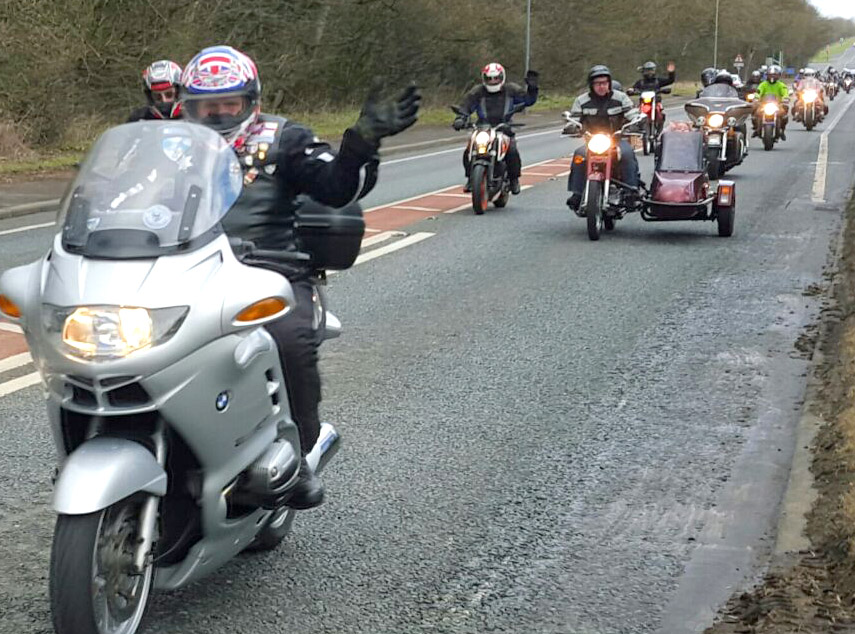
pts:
[738, 60]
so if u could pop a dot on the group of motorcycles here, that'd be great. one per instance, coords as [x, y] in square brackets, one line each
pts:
[689, 156]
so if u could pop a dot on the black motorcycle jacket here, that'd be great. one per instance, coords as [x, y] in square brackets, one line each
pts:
[602, 114]
[145, 113]
[654, 83]
[282, 160]
[497, 107]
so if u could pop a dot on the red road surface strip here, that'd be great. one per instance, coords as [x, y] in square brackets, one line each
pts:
[410, 211]
[388, 218]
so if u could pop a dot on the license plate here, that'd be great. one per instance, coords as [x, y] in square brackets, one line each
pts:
[715, 141]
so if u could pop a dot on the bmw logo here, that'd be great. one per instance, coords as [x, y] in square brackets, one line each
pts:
[222, 401]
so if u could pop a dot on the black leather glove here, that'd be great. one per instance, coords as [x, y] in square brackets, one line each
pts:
[531, 78]
[459, 123]
[386, 117]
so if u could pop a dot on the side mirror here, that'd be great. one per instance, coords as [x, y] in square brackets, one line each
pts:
[631, 92]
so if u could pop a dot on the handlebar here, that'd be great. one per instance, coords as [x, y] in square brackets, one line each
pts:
[246, 250]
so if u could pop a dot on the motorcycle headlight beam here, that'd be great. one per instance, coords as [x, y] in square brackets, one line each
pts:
[770, 109]
[716, 120]
[809, 96]
[100, 333]
[600, 143]
[482, 138]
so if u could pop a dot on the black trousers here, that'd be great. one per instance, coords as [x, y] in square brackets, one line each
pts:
[512, 159]
[298, 350]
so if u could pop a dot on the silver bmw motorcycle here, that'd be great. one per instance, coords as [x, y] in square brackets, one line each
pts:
[165, 394]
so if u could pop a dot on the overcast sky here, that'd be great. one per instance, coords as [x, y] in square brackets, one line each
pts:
[835, 8]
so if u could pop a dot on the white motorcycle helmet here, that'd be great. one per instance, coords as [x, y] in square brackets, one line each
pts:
[493, 77]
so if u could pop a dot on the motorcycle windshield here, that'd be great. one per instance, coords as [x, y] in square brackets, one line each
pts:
[149, 189]
[720, 90]
[811, 83]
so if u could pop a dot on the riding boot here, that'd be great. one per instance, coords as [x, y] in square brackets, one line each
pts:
[308, 492]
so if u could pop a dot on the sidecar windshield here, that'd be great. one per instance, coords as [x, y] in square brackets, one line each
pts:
[148, 189]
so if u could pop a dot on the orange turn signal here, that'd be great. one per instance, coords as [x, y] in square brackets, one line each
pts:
[261, 309]
[8, 307]
[578, 160]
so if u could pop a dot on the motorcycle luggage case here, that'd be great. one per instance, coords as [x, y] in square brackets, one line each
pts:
[331, 236]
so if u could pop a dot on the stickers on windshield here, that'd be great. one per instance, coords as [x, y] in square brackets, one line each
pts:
[176, 147]
[157, 217]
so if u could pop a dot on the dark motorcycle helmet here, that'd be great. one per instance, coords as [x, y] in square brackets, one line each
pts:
[617, 86]
[648, 70]
[598, 71]
[708, 76]
[723, 77]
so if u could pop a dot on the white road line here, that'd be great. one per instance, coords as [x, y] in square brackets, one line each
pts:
[11, 328]
[15, 361]
[381, 237]
[451, 195]
[460, 148]
[818, 194]
[27, 228]
[415, 208]
[19, 384]
[391, 248]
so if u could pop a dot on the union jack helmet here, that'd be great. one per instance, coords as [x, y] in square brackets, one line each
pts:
[493, 77]
[222, 71]
[158, 76]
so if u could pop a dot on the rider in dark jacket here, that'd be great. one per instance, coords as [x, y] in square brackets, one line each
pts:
[649, 80]
[494, 102]
[281, 160]
[161, 83]
[601, 110]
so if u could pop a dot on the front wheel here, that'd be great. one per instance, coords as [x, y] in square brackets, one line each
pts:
[94, 588]
[810, 122]
[594, 209]
[646, 139]
[480, 197]
[715, 169]
[768, 137]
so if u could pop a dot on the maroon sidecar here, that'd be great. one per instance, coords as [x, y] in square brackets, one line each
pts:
[681, 188]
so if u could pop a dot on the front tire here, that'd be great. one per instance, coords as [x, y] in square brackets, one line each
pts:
[594, 209]
[480, 196]
[768, 137]
[810, 121]
[93, 588]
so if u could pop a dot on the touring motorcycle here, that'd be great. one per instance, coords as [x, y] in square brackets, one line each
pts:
[165, 394]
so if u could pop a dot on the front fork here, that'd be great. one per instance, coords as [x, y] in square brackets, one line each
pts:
[148, 514]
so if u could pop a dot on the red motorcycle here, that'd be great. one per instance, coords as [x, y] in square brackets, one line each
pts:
[650, 105]
[605, 200]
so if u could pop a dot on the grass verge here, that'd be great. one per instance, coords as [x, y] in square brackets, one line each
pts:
[815, 592]
[832, 50]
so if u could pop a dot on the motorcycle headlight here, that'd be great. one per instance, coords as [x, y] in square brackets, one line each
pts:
[809, 96]
[111, 332]
[715, 121]
[770, 109]
[482, 138]
[751, 97]
[600, 143]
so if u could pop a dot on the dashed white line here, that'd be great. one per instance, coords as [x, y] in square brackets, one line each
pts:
[15, 361]
[7, 232]
[19, 384]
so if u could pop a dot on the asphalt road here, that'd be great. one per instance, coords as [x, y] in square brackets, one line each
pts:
[541, 433]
